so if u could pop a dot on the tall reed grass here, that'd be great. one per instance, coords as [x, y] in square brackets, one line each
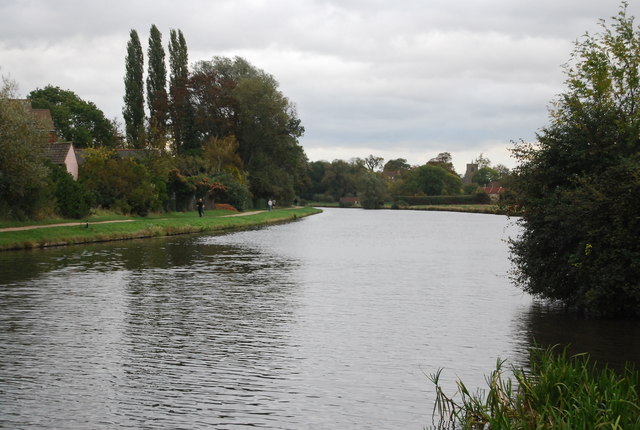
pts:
[557, 392]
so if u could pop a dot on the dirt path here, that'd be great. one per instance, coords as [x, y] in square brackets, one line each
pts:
[242, 214]
[66, 224]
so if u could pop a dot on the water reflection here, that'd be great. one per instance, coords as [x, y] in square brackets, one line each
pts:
[329, 322]
[609, 342]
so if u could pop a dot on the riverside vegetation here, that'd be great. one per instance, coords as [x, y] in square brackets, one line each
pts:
[576, 191]
[558, 392]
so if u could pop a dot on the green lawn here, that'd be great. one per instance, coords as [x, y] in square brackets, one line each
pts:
[163, 224]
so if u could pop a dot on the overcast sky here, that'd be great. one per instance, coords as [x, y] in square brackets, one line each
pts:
[394, 78]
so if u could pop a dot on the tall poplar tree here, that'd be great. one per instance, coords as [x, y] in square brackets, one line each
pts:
[157, 100]
[180, 109]
[133, 110]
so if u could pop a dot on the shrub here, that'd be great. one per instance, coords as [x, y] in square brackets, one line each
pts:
[73, 200]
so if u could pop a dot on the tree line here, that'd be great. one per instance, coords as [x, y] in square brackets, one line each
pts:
[374, 182]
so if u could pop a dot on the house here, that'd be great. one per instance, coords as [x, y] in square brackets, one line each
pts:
[60, 153]
[63, 154]
[45, 121]
[349, 201]
[493, 189]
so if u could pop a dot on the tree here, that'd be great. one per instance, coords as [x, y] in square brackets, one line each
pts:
[222, 154]
[133, 110]
[180, 109]
[485, 175]
[24, 187]
[577, 188]
[120, 184]
[340, 179]
[157, 99]
[445, 161]
[482, 161]
[371, 191]
[433, 181]
[232, 97]
[398, 164]
[373, 163]
[76, 120]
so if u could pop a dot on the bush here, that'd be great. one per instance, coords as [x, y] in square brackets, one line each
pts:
[73, 200]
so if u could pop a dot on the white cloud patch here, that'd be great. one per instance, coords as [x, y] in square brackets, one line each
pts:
[404, 79]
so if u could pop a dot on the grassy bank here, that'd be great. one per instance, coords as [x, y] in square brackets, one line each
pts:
[558, 392]
[104, 227]
[484, 209]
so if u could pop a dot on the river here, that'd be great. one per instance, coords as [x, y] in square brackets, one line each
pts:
[330, 322]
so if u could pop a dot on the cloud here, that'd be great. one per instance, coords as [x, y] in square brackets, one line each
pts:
[403, 79]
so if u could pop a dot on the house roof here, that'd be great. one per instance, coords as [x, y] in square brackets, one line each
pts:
[493, 189]
[58, 152]
[44, 117]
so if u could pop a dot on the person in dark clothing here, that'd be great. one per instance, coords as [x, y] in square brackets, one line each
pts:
[200, 206]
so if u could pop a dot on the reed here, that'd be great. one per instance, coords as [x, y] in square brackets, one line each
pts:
[557, 392]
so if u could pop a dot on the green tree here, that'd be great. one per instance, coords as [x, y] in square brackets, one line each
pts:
[341, 179]
[577, 188]
[445, 161]
[157, 99]
[232, 97]
[24, 186]
[180, 109]
[371, 191]
[76, 120]
[399, 164]
[433, 181]
[133, 110]
[120, 184]
[373, 163]
[485, 175]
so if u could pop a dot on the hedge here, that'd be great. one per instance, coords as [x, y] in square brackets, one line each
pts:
[480, 198]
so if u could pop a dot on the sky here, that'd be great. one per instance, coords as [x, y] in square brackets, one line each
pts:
[396, 78]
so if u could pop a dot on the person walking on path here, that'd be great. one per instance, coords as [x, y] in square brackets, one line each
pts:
[270, 204]
[200, 206]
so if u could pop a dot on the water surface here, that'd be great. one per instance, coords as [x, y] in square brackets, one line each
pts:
[329, 322]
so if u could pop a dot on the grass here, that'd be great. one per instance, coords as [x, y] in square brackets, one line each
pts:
[164, 224]
[558, 392]
[485, 209]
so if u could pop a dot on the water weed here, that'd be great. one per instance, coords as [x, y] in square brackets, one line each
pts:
[558, 391]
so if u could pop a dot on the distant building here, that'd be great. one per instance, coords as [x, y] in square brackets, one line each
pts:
[472, 169]
[63, 154]
[493, 189]
[349, 201]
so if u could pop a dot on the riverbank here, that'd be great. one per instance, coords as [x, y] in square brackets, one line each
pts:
[483, 209]
[14, 236]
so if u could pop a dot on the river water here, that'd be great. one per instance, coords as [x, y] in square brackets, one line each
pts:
[330, 322]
